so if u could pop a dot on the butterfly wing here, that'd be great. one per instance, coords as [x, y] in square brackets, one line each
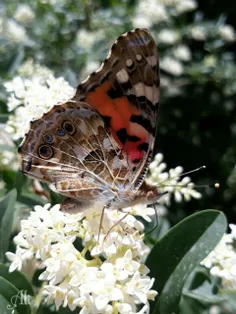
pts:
[125, 91]
[71, 148]
[100, 142]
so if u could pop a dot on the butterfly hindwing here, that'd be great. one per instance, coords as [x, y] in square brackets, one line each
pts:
[71, 148]
[125, 91]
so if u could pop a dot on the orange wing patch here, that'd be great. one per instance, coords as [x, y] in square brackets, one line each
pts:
[118, 111]
[125, 91]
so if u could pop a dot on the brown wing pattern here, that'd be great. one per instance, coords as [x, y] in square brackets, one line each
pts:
[71, 148]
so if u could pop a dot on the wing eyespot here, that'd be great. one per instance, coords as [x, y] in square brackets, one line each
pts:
[48, 138]
[68, 127]
[60, 132]
[45, 151]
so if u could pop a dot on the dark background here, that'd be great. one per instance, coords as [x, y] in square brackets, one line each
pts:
[213, 8]
[212, 124]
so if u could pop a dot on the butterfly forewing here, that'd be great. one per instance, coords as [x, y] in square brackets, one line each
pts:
[125, 90]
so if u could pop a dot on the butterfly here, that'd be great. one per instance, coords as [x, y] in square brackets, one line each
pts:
[95, 148]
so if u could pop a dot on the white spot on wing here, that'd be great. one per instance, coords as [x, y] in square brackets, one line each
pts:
[141, 89]
[129, 62]
[138, 57]
[122, 76]
[152, 60]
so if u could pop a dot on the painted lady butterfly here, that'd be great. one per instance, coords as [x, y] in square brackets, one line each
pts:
[95, 148]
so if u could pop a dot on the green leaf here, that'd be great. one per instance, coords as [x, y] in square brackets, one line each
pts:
[190, 306]
[228, 300]
[7, 209]
[31, 199]
[202, 287]
[15, 297]
[20, 182]
[6, 307]
[181, 249]
[17, 279]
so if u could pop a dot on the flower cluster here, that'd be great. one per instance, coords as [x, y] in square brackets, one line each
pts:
[24, 14]
[12, 31]
[8, 155]
[171, 182]
[117, 282]
[31, 94]
[222, 260]
[150, 12]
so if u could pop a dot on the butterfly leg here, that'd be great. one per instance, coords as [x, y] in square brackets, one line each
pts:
[100, 223]
[126, 214]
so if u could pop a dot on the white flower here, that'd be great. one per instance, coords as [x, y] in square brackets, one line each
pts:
[186, 6]
[24, 13]
[182, 53]
[227, 33]
[222, 260]
[8, 156]
[172, 66]
[96, 285]
[198, 33]
[119, 280]
[36, 95]
[30, 69]
[125, 266]
[15, 32]
[144, 211]
[215, 309]
[141, 21]
[167, 36]
[210, 61]
[86, 39]
[138, 287]
[170, 182]
[17, 259]
[149, 12]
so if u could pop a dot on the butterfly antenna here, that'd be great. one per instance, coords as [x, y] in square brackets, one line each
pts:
[212, 185]
[100, 223]
[117, 223]
[185, 173]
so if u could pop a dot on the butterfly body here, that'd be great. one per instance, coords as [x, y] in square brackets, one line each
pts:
[95, 148]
